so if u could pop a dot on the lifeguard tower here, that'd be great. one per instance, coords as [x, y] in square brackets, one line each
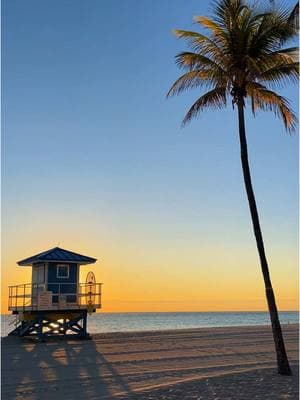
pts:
[55, 303]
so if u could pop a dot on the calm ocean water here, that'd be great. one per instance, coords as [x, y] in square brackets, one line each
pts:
[118, 322]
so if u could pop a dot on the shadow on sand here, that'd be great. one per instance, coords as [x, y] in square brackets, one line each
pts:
[58, 369]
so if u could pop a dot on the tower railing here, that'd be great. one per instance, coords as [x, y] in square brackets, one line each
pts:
[54, 296]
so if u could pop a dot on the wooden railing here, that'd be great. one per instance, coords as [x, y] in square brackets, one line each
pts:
[53, 296]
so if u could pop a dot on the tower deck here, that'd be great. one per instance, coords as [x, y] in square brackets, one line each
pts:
[62, 296]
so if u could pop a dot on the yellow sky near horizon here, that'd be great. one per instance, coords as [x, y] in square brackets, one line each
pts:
[141, 278]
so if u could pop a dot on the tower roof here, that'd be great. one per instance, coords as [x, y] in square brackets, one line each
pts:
[57, 255]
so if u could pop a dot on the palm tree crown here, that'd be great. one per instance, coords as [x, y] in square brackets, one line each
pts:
[244, 55]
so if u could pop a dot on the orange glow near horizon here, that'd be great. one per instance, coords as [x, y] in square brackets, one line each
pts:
[140, 280]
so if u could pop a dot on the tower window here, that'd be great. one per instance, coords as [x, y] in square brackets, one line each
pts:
[62, 271]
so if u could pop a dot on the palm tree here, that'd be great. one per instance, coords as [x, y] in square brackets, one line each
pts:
[242, 58]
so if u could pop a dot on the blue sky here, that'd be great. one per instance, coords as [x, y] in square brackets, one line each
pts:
[90, 143]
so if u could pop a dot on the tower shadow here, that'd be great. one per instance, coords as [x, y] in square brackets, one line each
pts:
[67, 369]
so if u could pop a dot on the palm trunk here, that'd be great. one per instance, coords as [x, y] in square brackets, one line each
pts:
[282, 360]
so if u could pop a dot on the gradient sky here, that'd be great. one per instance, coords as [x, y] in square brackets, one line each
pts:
[94, 159]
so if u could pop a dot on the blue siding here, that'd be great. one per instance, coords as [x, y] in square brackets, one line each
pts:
[52, 268]
[53, 281]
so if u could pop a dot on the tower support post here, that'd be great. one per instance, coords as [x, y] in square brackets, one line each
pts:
[46, 324]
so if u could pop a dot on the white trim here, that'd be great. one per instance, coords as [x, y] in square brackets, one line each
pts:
[41, 269]
[36, 273]
[57, 269]
[46, 273]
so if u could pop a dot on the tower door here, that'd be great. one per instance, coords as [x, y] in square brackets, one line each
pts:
[38, 281]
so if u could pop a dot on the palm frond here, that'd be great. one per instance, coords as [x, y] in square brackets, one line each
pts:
[283, 60]
[290, 51]
[281, 74]
[294, 17]
[190, 61]
[191, 80]
[208, 23]
[216, 99]
[199, 42]
[272, 32]
[267, 100]
[227, 10]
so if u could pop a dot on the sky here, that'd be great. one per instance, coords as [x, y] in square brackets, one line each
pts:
[94, 160]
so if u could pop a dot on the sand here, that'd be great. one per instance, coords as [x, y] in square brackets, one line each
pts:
[216, 363]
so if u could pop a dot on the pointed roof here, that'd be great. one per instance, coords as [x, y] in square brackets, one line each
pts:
[57, 255]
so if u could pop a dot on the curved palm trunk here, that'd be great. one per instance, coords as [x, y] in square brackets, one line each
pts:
[282, 360]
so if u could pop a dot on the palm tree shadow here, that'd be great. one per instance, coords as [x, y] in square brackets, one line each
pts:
[67, 368]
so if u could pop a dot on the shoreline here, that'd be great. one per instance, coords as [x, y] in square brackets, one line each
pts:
[94, 335]
[211, 363]
[143, 322]
[187, 330]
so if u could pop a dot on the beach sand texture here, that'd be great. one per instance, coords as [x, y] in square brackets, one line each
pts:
[207, 363]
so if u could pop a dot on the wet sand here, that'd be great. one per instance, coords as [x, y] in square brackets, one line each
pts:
[207, 364]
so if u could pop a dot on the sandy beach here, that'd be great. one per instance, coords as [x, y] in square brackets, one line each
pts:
[214, 363]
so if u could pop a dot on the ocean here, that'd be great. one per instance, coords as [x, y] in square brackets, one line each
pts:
[124, 322]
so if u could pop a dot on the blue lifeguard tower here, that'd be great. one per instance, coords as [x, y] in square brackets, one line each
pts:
[55, 302]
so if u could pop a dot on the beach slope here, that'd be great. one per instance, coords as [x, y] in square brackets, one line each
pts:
[208, 363]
